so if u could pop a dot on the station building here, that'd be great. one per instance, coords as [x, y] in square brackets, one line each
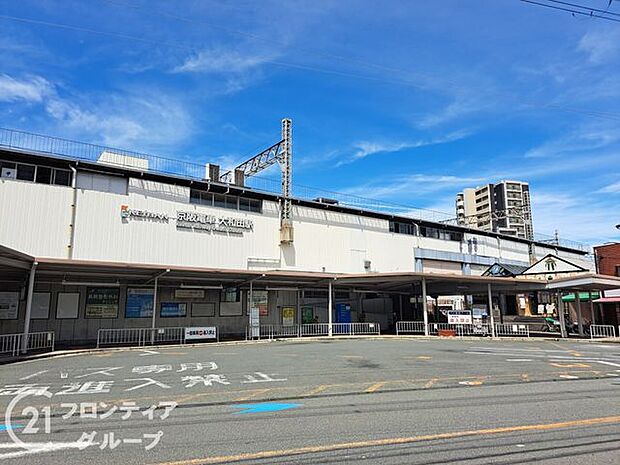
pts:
[102, 230]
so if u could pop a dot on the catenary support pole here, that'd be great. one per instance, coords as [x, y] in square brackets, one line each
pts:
[561, 316]
[490, 296]
[424, 306]
[579, 315]
[33, 272]
[330, 304]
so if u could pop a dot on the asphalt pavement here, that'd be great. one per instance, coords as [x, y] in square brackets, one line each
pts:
[378, 400]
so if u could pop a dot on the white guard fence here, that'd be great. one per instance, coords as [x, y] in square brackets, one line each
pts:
[11, 344]
[597, 331]
[417, 327]
[313, 329]
[140, 336]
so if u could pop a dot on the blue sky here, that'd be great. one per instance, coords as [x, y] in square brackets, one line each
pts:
[403, 101]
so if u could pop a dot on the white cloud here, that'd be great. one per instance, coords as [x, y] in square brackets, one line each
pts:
[461, 106]
[600, 45]
[143, 120]
[31, 89]
[364, 149]
[125, 120]
[611, 189]
[582, 139]
[218, 60]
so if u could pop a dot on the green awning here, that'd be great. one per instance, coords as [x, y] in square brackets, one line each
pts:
[583, 296]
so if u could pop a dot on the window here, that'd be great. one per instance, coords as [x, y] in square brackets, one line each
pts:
[230, 202]
[230, 294]
[402, 228]
[219, 201]
[62, 178]
[618, 271]
[25, 172]
[44, 175]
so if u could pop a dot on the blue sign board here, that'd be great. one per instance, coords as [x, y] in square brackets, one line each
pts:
[343, 313]
[172, 309]
[139, 303]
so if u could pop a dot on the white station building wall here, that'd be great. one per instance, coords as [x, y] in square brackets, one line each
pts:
[36, 219]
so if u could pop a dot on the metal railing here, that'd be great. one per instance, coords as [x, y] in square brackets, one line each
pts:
[140, 336]
[602, 331]
[512, 330]
[315, 329]
[403, 327]
[12, 343]
[460, 329]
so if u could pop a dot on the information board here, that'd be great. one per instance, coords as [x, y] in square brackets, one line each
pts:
[102, 302]
[200, 332]
[9, 302]
[459, 317]
[40, 306]
[260, 301]
[139, 303]
[173, 309]
[288, 316]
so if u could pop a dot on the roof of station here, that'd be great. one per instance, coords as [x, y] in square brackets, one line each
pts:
[16, 265]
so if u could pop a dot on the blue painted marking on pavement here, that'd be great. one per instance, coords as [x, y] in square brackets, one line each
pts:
[265, 407]
[4, 427]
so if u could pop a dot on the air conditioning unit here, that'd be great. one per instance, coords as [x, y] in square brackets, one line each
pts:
[10, 173]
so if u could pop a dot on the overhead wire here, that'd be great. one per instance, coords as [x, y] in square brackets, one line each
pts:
[573, 11]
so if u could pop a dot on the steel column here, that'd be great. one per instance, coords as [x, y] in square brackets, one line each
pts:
[329, 311]
[33, 271]
[579, 316]
[561, 316]
[490, 296]
[424, 307]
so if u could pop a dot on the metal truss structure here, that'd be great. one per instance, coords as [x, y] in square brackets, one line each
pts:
[280, 152]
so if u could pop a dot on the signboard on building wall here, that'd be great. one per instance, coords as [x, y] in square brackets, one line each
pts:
[200, 332]
[288, 316]
[40, 306]
[67, 305]
[173, 309]
[9, 302]
[307, 315]
[459, 317]
[102, 302]
[189, 294]
[139, 303]
[260, 301]
[343, 313]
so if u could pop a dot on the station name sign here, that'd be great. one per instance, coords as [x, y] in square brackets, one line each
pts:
[192, 221]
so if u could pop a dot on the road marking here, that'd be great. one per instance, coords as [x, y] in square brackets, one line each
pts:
[430, 383]
[604, 362]
[518, 359]
[263, 408]
[570, 365]
[147, 352]
[569, 377]
[316, 390]
[471, 383]
[424, 357]
[351, 356]
[33, 375]
[525, 377]
[4, 427]
[376, 386]
[256, 393]
[37, 448]
[267, 454]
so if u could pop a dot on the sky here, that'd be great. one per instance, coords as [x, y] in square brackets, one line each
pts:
[406, 102]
